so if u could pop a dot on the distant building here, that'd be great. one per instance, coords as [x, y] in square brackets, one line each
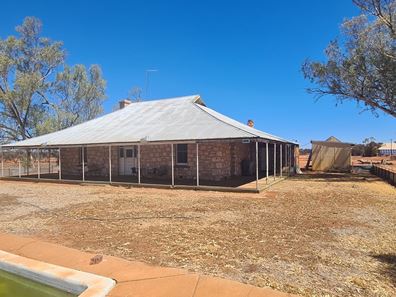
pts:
[331, 155]
[387, 149]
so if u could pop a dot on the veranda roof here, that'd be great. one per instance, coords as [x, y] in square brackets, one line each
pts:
[166, 120]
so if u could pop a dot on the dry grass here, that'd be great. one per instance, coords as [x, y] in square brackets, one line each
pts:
[315, 235]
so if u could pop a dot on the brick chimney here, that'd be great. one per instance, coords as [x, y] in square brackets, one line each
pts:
[250, 123]
[124, 103]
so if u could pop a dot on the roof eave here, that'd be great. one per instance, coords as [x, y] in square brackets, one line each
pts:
[252, 138]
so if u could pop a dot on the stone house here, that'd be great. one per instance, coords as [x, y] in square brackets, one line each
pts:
[174, 141]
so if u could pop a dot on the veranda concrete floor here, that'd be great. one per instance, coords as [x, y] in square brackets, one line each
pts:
[239, 182]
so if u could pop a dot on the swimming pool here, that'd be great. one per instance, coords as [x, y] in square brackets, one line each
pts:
[17, 286]
[20, 275]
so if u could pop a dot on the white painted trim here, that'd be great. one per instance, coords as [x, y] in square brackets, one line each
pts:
[139, 164]
[257, 167]
[83, 162]
[197, 151]
[38, 164]
[60, 164]
[290, 158]
[110, 163]
[266, 161]
[49, 160]
[173, 166]
[274, 160]
[280, 158]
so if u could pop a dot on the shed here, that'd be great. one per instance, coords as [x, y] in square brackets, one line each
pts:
[331, 155]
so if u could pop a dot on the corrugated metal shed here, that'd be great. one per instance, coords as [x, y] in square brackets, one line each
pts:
[167, 120]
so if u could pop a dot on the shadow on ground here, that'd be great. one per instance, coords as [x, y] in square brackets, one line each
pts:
[233, 182]
[390, 265]
[337, 177]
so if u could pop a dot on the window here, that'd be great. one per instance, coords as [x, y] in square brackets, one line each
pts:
[85, 155]
[181, 154]
[129, 153]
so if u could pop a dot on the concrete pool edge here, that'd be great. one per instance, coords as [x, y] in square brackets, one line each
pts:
[79, 283]
[134, 278]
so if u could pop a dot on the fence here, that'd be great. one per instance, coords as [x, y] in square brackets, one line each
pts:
[385, 172]
[28, 163]
[14, 170]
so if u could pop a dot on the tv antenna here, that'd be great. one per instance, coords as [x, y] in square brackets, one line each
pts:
[147, 80]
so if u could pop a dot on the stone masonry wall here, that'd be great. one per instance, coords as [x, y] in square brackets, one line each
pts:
[70, 161]
[97, 161]
[214, 161]
[239, 151]
[217, 161]
[155, 161]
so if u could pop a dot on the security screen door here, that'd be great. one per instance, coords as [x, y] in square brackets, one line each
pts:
[127, 160]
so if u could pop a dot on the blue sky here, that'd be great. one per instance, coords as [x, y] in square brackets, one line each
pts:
[242, 57]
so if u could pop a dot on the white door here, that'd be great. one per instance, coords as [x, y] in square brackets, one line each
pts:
[127, 160]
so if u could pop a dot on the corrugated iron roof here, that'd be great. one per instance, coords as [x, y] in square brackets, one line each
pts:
[388, 146]
[175, 119]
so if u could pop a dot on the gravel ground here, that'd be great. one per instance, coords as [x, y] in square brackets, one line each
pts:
[314, 235]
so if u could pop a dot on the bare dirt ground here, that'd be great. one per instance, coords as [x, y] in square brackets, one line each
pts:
[314, 235]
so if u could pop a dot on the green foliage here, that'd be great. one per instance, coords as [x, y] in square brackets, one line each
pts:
[371, 147]
[368, 148]
[39, 93]
[358, 150]
[362, 65]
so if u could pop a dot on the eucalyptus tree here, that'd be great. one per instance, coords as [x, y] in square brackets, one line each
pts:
[39, 93]
[361, 65]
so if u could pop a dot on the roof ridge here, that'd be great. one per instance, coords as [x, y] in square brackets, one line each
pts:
[190, 98]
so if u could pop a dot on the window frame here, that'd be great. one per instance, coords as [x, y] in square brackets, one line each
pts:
[131, 150]
[123, 152]
[178, 150]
